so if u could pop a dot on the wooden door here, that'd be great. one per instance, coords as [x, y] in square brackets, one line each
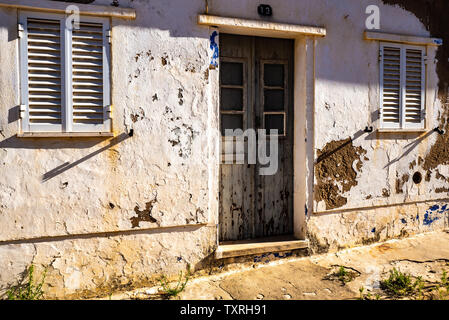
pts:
[256, 82]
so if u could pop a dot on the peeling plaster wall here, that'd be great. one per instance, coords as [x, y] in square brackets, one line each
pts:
[331, 232]
[98, 265]
[353, 173]
[346, 101]
[128, 208]
[115, 213]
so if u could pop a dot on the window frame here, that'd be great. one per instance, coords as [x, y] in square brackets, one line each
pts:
[284, 88]
[243, 87]
[67, 126]
[403, 125]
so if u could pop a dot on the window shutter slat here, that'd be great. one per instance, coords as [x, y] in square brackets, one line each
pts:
[87, 76]
[414, 87]
[44, 75]
[64, 70]
[391, 86]
[402, 86]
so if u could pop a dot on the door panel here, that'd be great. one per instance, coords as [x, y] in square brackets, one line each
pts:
[256, 92]
[236, 218]
[274, 110]
[236, 203]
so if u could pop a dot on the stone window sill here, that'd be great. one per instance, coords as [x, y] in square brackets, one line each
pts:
[392, 130]
[64, 134]
[399, 38]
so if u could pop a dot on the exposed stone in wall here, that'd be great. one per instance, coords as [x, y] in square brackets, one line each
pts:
[144, 215]
[442, 190]
[335, 173]
[400, 183]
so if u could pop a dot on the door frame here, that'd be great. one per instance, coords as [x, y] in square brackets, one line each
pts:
[303, 120]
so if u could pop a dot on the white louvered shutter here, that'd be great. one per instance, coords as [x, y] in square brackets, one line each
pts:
[391, 87]
[414, 88]
[64, 74]
[402, 73]
[90, 80]
[43, 74]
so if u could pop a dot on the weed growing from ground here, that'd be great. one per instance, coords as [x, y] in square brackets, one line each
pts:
[367, 296]
[170, 291]
[443, 287]
[401, 284]
[343, 275]
[27, 290]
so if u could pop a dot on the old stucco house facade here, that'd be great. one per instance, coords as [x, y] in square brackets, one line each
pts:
[111, 166]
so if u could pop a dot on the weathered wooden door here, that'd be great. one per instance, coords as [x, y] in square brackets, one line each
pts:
[256, 92]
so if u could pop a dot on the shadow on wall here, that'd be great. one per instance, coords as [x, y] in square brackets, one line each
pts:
[67, 165]
[172, 16]
[409, 147]
[385, 136]
[62, 143]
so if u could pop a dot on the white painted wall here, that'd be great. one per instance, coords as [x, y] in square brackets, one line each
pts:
[67, 221]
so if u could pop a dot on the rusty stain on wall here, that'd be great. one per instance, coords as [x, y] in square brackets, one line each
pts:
[334, 168]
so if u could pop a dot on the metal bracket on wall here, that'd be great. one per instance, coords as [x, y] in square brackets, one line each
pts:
[20, 30]
[23, 109]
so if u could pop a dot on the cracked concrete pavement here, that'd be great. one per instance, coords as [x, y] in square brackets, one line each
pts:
[425, 255]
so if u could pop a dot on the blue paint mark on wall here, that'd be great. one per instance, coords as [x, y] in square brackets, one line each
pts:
[403, 221]
[429, 219]
[430, 215]
[259, 258]
[214, 48]
[305, 209]
[373, 230]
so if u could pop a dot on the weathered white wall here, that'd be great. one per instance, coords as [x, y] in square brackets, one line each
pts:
[346, 100]
[73, 203]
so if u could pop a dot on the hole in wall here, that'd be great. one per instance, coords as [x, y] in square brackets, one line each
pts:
[417, 177]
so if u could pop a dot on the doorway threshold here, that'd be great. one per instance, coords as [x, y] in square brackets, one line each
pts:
[229, 249]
